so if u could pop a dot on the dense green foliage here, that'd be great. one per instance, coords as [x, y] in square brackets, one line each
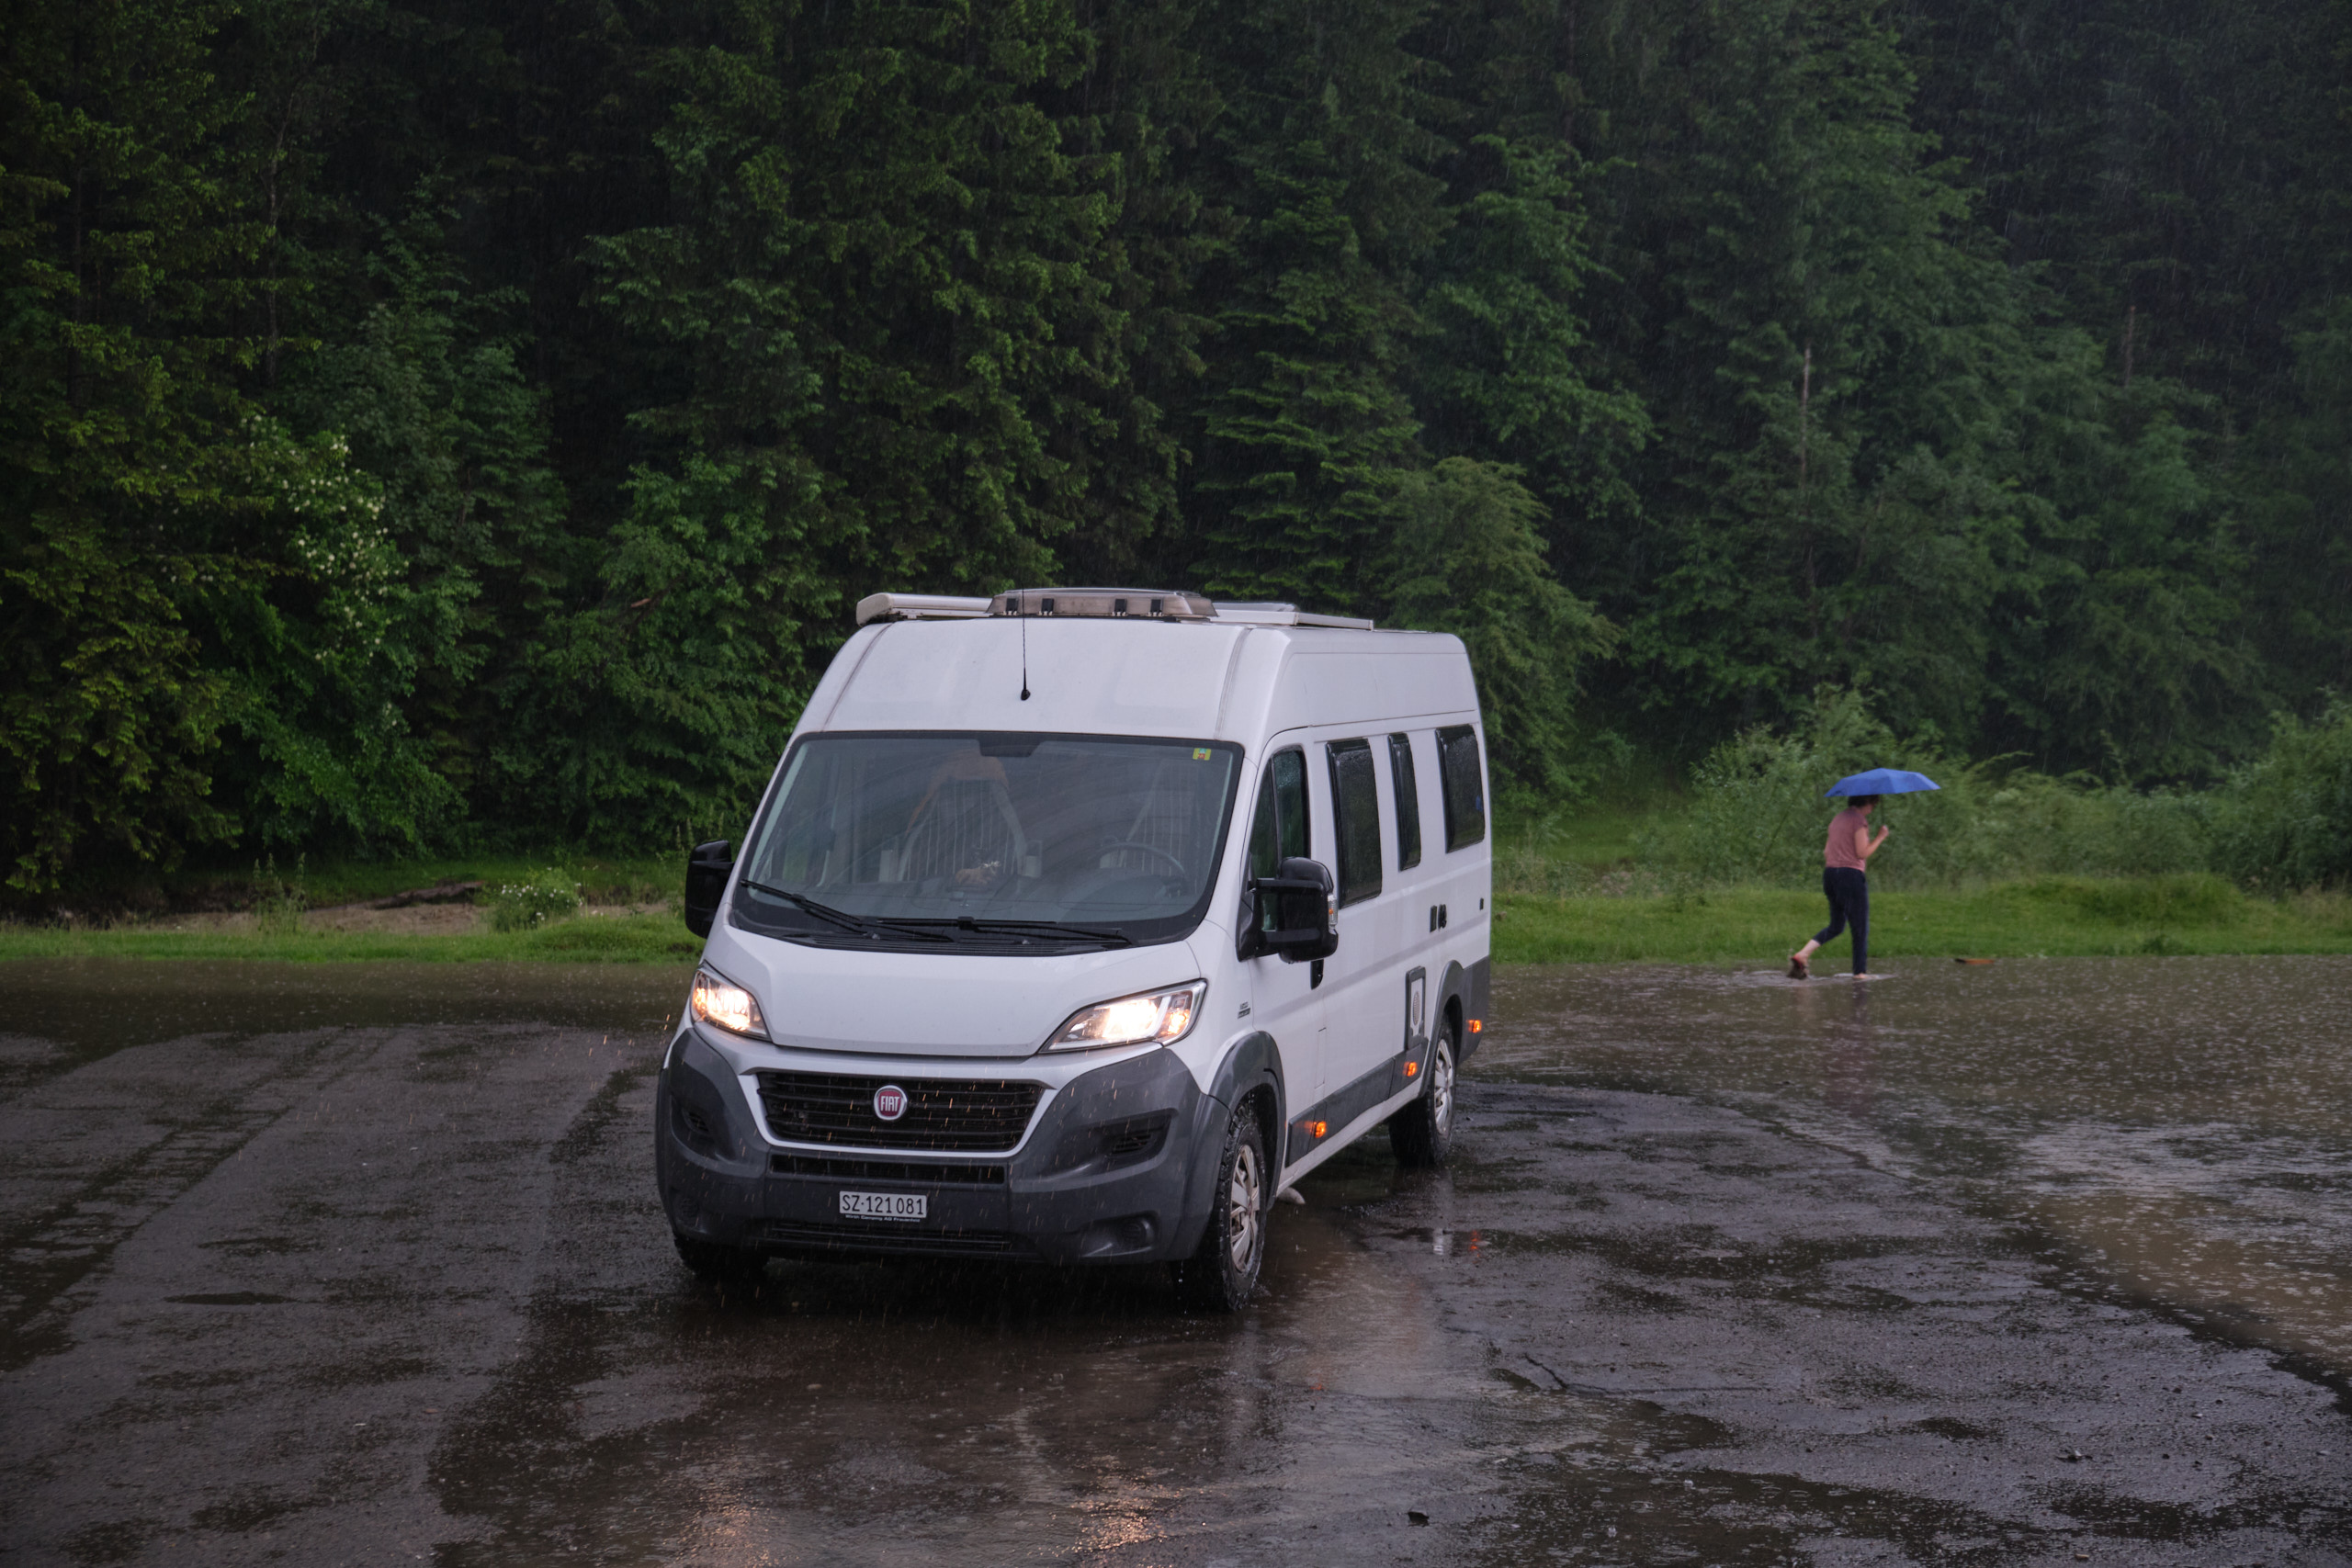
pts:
[2287, 821]
[1756, 816]
[433, 424]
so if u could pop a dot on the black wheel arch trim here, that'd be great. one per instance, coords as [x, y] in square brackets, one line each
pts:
[1454, 992]
[1468, 988]
[1254, 1062]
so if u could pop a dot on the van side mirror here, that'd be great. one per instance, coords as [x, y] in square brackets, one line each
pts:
[1306, 916]
[708, 866]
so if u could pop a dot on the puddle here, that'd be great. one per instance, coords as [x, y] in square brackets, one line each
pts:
[57, 1013]
[917, 1412]
[2183, 1125]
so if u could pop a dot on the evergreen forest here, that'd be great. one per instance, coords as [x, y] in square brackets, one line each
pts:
[432, 422]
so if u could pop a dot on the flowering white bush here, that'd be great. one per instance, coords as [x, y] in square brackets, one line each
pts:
[542, 898]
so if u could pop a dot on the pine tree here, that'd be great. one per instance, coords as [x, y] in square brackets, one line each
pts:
[1512, 367]
[889, 307]
[124, 254]
[1468, 559]
[1818, 348]
[1323, 156]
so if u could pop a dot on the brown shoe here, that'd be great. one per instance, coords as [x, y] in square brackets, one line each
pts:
[1799, 969]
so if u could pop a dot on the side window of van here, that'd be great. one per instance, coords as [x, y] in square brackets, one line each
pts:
[1356, 805]
[1279, 832]
[1466, 788]
[1408, 801]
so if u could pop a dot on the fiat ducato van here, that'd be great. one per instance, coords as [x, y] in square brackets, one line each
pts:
[1075, 925]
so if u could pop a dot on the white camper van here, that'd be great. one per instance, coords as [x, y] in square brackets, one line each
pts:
[1075, 925]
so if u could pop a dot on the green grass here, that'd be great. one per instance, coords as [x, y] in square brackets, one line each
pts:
[1596, 838]
[591, 939]
[605, 879]
[231, 884]
[2049, 917]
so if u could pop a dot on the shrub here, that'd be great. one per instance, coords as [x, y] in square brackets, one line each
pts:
[1758, 814]
[2286, 821]
[278, 902]
[542, 898]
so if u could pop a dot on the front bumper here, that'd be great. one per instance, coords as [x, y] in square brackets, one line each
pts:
[1105, 1172]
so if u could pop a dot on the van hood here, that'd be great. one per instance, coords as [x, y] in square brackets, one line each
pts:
[925, 1004]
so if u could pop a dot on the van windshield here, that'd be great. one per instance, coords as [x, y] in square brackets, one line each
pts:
[1004, 840]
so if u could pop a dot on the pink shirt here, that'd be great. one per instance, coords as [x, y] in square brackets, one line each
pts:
[1839, 849]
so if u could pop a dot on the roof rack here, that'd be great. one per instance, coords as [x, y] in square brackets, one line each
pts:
[1112, 603]
[1144, 604]
[1272, 615]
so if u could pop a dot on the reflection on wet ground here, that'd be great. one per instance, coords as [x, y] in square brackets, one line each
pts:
[2185, 1123]
[358, 1265]
[57, 1013]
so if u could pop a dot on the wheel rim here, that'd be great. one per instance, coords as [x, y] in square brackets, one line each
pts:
[1441, 1087]
[1243, 1199]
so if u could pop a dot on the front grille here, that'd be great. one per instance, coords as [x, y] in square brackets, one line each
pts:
[942, 1113]
[816, 1235]
[887, 1171]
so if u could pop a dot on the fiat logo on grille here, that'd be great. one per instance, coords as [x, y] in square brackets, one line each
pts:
[889, 1102]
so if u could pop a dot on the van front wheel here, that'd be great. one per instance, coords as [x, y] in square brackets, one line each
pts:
[1422, 1134]
[1221, 1274]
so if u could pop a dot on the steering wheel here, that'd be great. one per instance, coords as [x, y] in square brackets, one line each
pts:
[1110, 844]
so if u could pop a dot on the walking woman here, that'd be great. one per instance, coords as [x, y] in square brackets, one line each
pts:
[1844, 859]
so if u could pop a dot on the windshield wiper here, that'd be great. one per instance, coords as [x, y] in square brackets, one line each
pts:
[842, 917]
[1055, 928]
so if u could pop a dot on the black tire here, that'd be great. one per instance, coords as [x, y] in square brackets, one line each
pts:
[714, 1263]
[1422, 1134]
[1221, 1274]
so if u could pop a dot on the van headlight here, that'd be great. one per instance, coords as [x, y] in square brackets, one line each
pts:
[727, 1005]
[1154, 1018]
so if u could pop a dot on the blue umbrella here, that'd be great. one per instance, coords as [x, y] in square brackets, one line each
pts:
[1882, 781]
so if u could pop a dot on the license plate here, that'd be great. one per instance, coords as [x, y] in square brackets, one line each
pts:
[885, 1206]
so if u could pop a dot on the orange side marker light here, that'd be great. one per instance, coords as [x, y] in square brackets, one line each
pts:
[1321, 1127]
[1476, 1026]
[1411, 1068]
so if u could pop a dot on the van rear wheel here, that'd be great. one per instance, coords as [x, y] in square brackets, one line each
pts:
[1221, 1274]
[1421, 1134]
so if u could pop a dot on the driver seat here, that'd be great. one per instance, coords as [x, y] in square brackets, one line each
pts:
[965, 821]
[1160, 822]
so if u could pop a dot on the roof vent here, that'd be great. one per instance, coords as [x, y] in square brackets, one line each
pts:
[1112, 603]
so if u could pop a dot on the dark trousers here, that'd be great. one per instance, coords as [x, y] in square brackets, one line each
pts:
[1849, 904]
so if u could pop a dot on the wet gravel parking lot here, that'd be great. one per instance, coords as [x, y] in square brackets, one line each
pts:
[2035, 1262]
